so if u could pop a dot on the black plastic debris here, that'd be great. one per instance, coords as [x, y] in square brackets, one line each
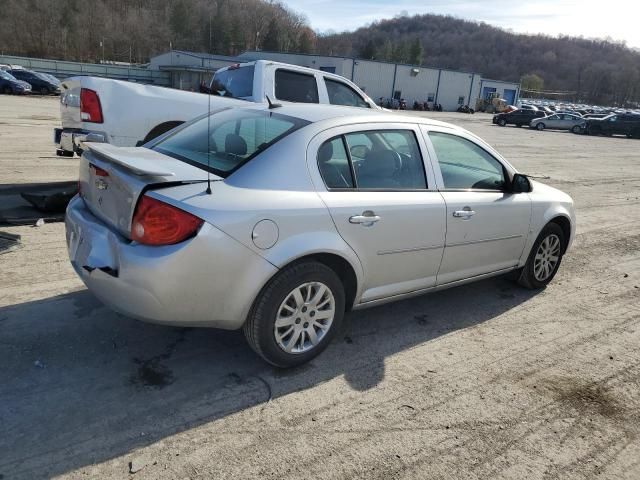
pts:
[9, 242]
[25, 204]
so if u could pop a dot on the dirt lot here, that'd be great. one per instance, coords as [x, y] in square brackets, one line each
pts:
[483, 381]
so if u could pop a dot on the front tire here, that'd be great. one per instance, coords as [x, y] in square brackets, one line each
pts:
[576, 129]
[544, 259]
[502, 122]
[540, 126]
[296, 315]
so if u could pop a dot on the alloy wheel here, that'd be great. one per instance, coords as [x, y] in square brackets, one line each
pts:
[547, 258]
[304, 317]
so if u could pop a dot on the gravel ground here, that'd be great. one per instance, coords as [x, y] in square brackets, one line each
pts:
[482, 381]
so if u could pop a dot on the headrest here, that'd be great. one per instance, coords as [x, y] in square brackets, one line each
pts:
[235, 144]
[325, 152]
[380, 163]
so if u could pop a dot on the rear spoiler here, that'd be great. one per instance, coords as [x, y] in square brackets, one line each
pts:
[139, 161]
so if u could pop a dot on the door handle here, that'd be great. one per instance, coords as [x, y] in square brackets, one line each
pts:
[466, 213]
[367, 218]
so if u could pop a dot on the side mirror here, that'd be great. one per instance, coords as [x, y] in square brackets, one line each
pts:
[520, 184]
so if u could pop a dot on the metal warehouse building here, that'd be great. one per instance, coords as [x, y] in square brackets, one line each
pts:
[378, 79]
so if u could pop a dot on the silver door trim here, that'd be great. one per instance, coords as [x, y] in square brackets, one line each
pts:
[460, 244]
[407, 250]
[435, 288]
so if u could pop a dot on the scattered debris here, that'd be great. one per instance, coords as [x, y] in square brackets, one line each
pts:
[626, 275]
[9, 242]
[138, 464]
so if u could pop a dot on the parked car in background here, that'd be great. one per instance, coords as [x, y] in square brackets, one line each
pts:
[627, 124]
[38, 83]
[518, 117]
[51, 78]
[129, 114]
[11, 85]
[559, 121]
[312, 211]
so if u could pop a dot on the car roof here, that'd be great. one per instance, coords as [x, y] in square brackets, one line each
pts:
[316, 113]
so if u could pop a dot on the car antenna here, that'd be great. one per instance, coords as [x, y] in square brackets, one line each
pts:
[209, 139]
[271, 104]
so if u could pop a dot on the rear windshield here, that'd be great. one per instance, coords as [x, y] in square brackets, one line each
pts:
[224, 141]
[234, 82]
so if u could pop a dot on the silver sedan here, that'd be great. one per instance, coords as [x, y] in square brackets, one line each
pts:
[559, 121]
[279, 220]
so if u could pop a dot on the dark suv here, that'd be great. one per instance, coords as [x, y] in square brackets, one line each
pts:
[617, 124]
[517, 117]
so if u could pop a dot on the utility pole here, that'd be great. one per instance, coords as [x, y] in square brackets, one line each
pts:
[102, 45]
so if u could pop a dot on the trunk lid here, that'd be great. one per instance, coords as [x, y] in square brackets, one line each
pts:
[113, 178]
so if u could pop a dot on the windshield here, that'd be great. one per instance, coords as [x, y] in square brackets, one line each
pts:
[235, 137]
[6, 75]
[233, 82]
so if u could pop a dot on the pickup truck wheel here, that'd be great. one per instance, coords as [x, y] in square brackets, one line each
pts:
[540, 126]
[544, 258]
[296, 315]
[502, 122]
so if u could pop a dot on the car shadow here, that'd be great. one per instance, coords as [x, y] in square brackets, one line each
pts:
[81, 384]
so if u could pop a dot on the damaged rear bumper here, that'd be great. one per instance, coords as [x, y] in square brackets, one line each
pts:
[209, 280]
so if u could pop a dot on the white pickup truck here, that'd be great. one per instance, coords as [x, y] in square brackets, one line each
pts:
[129, 114]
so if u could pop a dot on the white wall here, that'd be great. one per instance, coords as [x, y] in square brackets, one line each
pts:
[375, 78]
[416, 87]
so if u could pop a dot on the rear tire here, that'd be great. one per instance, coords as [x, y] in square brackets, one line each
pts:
[540, 126]
[544, 259]
[502, 122]
[287, 326]
[576, 129]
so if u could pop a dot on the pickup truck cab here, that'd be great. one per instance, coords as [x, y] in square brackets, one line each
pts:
[128, 114]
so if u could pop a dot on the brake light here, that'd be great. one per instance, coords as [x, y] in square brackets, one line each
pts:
[98, 172]
[158, 223]
[90, 109]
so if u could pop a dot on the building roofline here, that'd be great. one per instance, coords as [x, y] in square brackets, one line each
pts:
[363, 60]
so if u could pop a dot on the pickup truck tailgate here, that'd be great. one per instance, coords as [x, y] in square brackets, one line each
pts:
[70, 103]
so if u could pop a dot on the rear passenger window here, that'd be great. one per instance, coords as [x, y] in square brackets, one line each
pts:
[341, 94]
[381, 160]
[296, 87]
[333, 163]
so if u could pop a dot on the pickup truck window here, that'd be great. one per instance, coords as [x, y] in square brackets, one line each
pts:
[236, 82]
[229, 140]
[295, 87]
[341, 94]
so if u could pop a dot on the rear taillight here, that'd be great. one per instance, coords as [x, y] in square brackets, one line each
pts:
[90, 109]
[158, 223]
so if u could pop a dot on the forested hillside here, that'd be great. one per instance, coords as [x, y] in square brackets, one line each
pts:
[597, 70]
[138, 29]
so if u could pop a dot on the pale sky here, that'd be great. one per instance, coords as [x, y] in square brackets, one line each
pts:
[617, 19]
